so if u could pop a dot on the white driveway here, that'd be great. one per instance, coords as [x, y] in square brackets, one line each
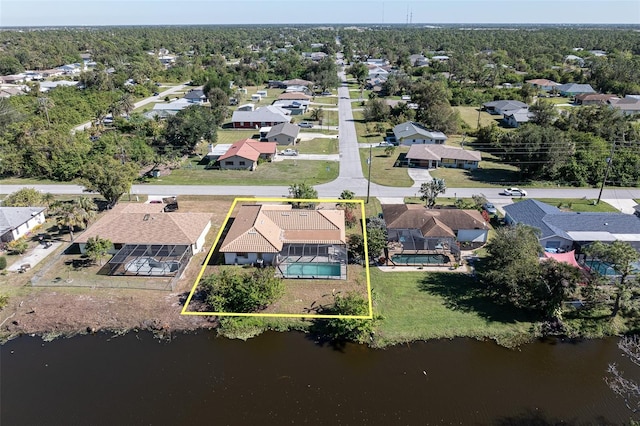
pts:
[323, 157]
[307, 136]
[419, 176]
[624, 205]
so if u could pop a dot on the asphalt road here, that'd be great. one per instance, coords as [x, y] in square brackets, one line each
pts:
[350, 177]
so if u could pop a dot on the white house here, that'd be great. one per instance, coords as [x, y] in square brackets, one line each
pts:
[16, 222]
[410, 133]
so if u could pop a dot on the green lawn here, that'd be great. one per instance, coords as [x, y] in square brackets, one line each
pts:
[577, 205]
[232, 135]
[318, 146]
[277, 173]
[367, 135]
[421, 305]
[383, 171]
[490, 174]
[470, 116]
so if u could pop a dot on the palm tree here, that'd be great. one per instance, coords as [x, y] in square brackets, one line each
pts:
[89, 207]
[126, 103]
[70, 215]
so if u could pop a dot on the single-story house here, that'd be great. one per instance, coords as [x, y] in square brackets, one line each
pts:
[295, 107]
[594, 98]
[433, 156]
[147, 240]
[297, 82]
[283, 134]
[217, 151]
[543, 84]
[573, 89]
[572, 230]
[410, 133]
[244, 154]
[294, 96]
[45, 86]
[628, 105]
[574, 58]
[517, 117]
[413, 228]
[264, 116]
[289, 239]
[166, 109]
[504, 106]
[298, 89]
[16, 222]
[418, 60]
[196, 96]
[377, 72]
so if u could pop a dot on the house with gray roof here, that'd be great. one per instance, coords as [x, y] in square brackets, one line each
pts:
[628, 105]
[411, 133]
[572, 89]
[17, 222]
[196, 96]
[433, 156]
[260, 117]
[517, 117]
[572, 230]
[283, 134]
[503, 106]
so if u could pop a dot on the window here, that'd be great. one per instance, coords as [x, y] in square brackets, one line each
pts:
[243, 255]
[242, 163]
[228, 163]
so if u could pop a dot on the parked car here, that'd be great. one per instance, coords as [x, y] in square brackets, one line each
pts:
[325, 93]
[155, 93]
[490, 208]
[383, 143]
[305, 124]
[515, 191]
[289, 152]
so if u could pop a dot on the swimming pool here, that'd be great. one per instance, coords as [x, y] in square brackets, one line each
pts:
[419, 259]
[603, 268]
[308, 270]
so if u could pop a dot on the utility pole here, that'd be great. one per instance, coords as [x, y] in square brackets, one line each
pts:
[369, 178]
[606, 171]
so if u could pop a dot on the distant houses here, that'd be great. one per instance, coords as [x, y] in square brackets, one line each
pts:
[504, 106]
[543, 84]
[573, 89]
[261, 117]
[629, 105]
[434, 156]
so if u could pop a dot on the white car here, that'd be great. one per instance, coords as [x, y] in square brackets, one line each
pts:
[305, 124]
[289, 152]
[515, 191]
[383, 144]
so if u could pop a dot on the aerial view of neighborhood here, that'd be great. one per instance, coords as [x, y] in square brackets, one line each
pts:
[402, 212]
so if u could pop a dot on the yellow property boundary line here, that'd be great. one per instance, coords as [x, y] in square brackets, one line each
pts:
[284, 200]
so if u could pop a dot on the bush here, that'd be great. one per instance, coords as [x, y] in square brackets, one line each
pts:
[18, 246]
[3, 262]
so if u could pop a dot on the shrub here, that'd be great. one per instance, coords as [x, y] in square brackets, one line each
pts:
[3, 262]
[18, 246]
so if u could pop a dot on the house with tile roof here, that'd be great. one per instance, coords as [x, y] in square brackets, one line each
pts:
[281, 236]
[244, 154]
[543, 84]
[415, 229]
[283, 134]
[410, 133]
[17, 222]
[294, 96]
[147, 240]
[594, 98]
[434, 156]
[573, 230]
[264, 116]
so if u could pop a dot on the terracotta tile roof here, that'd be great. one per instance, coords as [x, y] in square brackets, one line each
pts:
[250, 149]
[121, 226]
[542, 82]
[265, 228]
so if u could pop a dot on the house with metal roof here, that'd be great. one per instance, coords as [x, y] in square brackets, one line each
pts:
[17, 222]
[410, 133]
[300, 243]
[264, 116]
[573, 89]
[517, 117]
[503, 106]
[283, 134]
[572, 230]
[434, 156]
[594, 98]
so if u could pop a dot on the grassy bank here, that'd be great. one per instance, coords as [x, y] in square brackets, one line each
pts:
[421, 305]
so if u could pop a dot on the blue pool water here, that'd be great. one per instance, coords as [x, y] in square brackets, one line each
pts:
[419, 259]
[314, 269]
[603, 268]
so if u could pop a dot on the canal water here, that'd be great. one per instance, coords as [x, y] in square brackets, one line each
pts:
[286, 378]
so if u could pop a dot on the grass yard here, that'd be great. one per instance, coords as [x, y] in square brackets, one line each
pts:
[470, 116]
[367, 135]
[490, 174]
[318, 146]
[577, 205]
[421, 305]
[383, 171]
[231, 135]
[333, 100]
[276, 173]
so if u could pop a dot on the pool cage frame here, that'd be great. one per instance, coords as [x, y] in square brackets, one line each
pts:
[312, 253]
[159, 252]
[412, 242]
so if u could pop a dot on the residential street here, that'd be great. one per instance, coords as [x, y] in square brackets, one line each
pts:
[350, 177]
